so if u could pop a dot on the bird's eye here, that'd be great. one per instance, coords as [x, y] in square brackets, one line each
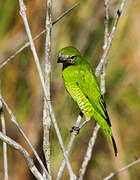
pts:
[72, 57]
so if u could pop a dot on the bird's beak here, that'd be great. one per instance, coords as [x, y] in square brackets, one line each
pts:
[60, 60]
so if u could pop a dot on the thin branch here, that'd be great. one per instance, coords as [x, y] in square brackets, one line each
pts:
[106, 35]
[65, 13]
[36, 37]
[122, 169]
[72, 175]
[49, 106]
[13, 119]
[100, 65]
[25, 154]
[103, 63]
[20, 49]
[47, 78]
[106, 23]
[4, 144]
[89, 152]
[69, 147]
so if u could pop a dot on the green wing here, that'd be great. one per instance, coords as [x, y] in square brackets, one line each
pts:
[82, 85]
[88, 84]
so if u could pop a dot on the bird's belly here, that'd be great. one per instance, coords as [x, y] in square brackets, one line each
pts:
[86, 109]
[82, 101]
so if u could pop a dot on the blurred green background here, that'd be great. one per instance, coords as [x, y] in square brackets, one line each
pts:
[20, 85]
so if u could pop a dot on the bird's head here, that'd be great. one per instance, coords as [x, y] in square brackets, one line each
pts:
[69, 56]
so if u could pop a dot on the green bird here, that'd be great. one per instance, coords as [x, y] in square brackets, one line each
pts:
[82, 85]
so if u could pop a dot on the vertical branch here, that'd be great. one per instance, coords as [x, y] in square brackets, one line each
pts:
[106, 35]
[4, 144]
[102, 66]
[69, 147]
[49, 106]
[88, 152]
[102, 86]
[47, 77]
[110, 38]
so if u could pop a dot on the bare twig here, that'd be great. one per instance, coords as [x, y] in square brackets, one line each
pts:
[36, 37]
[61, 143]
[89, 152]
[122, 169]
[25, 154]
[65, 13]
[47, 78]
[68, 149]
[106, 35]
[4, 144]
[100, 65]
[20, 49]
[49, 106]
[13, 119]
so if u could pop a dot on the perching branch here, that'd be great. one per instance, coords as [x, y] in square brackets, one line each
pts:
[92, 140]
[25, 154]
[68, 149]
[47, 78]
[122, 169]
[88, 154]
[5, 162]
[49, 106]
[13, 119]
[106, 35]
[100, 65]
[103, 63]
[37, 36]
[107, 44]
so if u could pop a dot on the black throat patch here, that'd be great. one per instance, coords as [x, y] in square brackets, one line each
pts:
[66, 65]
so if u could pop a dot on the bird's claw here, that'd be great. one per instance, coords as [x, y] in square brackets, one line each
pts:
[75, 129]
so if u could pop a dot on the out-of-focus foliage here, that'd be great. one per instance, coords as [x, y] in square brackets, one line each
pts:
[83, 28]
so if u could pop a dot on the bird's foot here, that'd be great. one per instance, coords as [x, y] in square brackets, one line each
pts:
[75, 130]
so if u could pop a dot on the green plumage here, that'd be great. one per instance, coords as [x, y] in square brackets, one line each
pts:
[83, 87]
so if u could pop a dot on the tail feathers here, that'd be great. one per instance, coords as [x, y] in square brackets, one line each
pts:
[114, 145]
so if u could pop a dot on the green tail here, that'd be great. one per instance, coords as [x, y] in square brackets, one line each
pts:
[112, 140]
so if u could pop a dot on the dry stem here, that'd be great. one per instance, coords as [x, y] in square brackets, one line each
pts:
[122, 169]
[25, 154]
[100, 65]
[5, 162]
[47, 76]
[13, 119]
